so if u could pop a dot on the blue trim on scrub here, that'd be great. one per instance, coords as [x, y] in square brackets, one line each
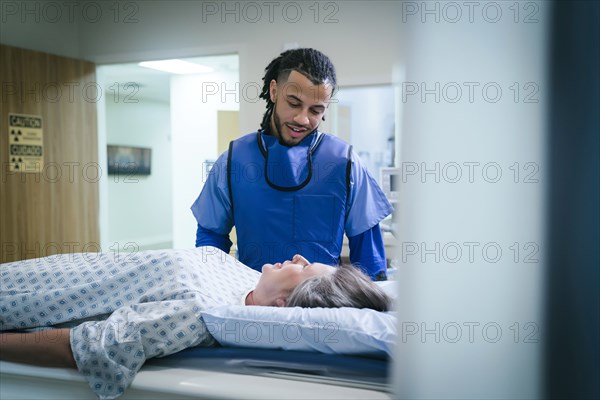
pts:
[205, 237]
[367, 252]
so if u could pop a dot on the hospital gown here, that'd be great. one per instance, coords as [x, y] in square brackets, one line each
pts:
[122, 308]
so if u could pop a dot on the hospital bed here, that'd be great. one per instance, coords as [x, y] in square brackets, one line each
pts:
[218, 373]
[329, 354]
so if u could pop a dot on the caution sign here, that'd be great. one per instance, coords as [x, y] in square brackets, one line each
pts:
[25, 143]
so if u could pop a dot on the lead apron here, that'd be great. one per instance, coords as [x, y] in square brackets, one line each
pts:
[289, 200]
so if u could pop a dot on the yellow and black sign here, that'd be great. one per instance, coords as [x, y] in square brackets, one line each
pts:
[25, 143]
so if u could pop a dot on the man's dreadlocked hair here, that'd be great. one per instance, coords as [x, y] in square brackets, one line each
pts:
[311, 63]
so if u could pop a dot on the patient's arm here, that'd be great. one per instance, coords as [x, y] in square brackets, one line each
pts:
[50, 348]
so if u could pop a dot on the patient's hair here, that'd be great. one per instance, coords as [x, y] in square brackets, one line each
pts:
[311, 63]
[347, 286]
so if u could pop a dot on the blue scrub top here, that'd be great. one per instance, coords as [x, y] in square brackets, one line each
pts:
[366, 207]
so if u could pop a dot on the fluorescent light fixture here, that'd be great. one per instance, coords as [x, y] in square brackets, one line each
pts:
[176, 66]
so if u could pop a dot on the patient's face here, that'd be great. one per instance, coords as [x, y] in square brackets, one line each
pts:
[278, 280]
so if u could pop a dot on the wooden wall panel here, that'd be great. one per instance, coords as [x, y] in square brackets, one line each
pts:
[54, 210]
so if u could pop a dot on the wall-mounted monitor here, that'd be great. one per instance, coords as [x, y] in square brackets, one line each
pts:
[128, 160]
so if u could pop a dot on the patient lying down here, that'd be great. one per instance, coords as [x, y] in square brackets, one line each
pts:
[111, 313]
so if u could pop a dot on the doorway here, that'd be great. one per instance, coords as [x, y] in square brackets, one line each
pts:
[146, 108]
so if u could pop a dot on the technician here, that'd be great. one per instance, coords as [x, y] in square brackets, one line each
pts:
[289, 188]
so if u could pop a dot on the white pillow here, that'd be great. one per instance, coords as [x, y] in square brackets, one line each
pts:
[325, 330]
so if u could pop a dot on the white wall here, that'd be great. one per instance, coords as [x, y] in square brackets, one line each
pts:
[471, 323]
[36, 25]
[361, 37]
[372, 123]
[194, 132]
[139, 207]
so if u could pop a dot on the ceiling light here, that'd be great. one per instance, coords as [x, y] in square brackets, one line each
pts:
[176, 66]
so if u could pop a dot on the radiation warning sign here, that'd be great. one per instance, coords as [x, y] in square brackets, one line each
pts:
[25, 143]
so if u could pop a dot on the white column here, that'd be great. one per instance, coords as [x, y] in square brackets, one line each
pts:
[471, 209]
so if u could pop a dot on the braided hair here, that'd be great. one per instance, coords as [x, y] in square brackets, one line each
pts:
[311, 63]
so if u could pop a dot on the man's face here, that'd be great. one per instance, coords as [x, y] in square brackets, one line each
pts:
[299, 107]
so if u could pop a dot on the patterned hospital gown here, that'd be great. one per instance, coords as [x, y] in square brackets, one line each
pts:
[122, 308]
